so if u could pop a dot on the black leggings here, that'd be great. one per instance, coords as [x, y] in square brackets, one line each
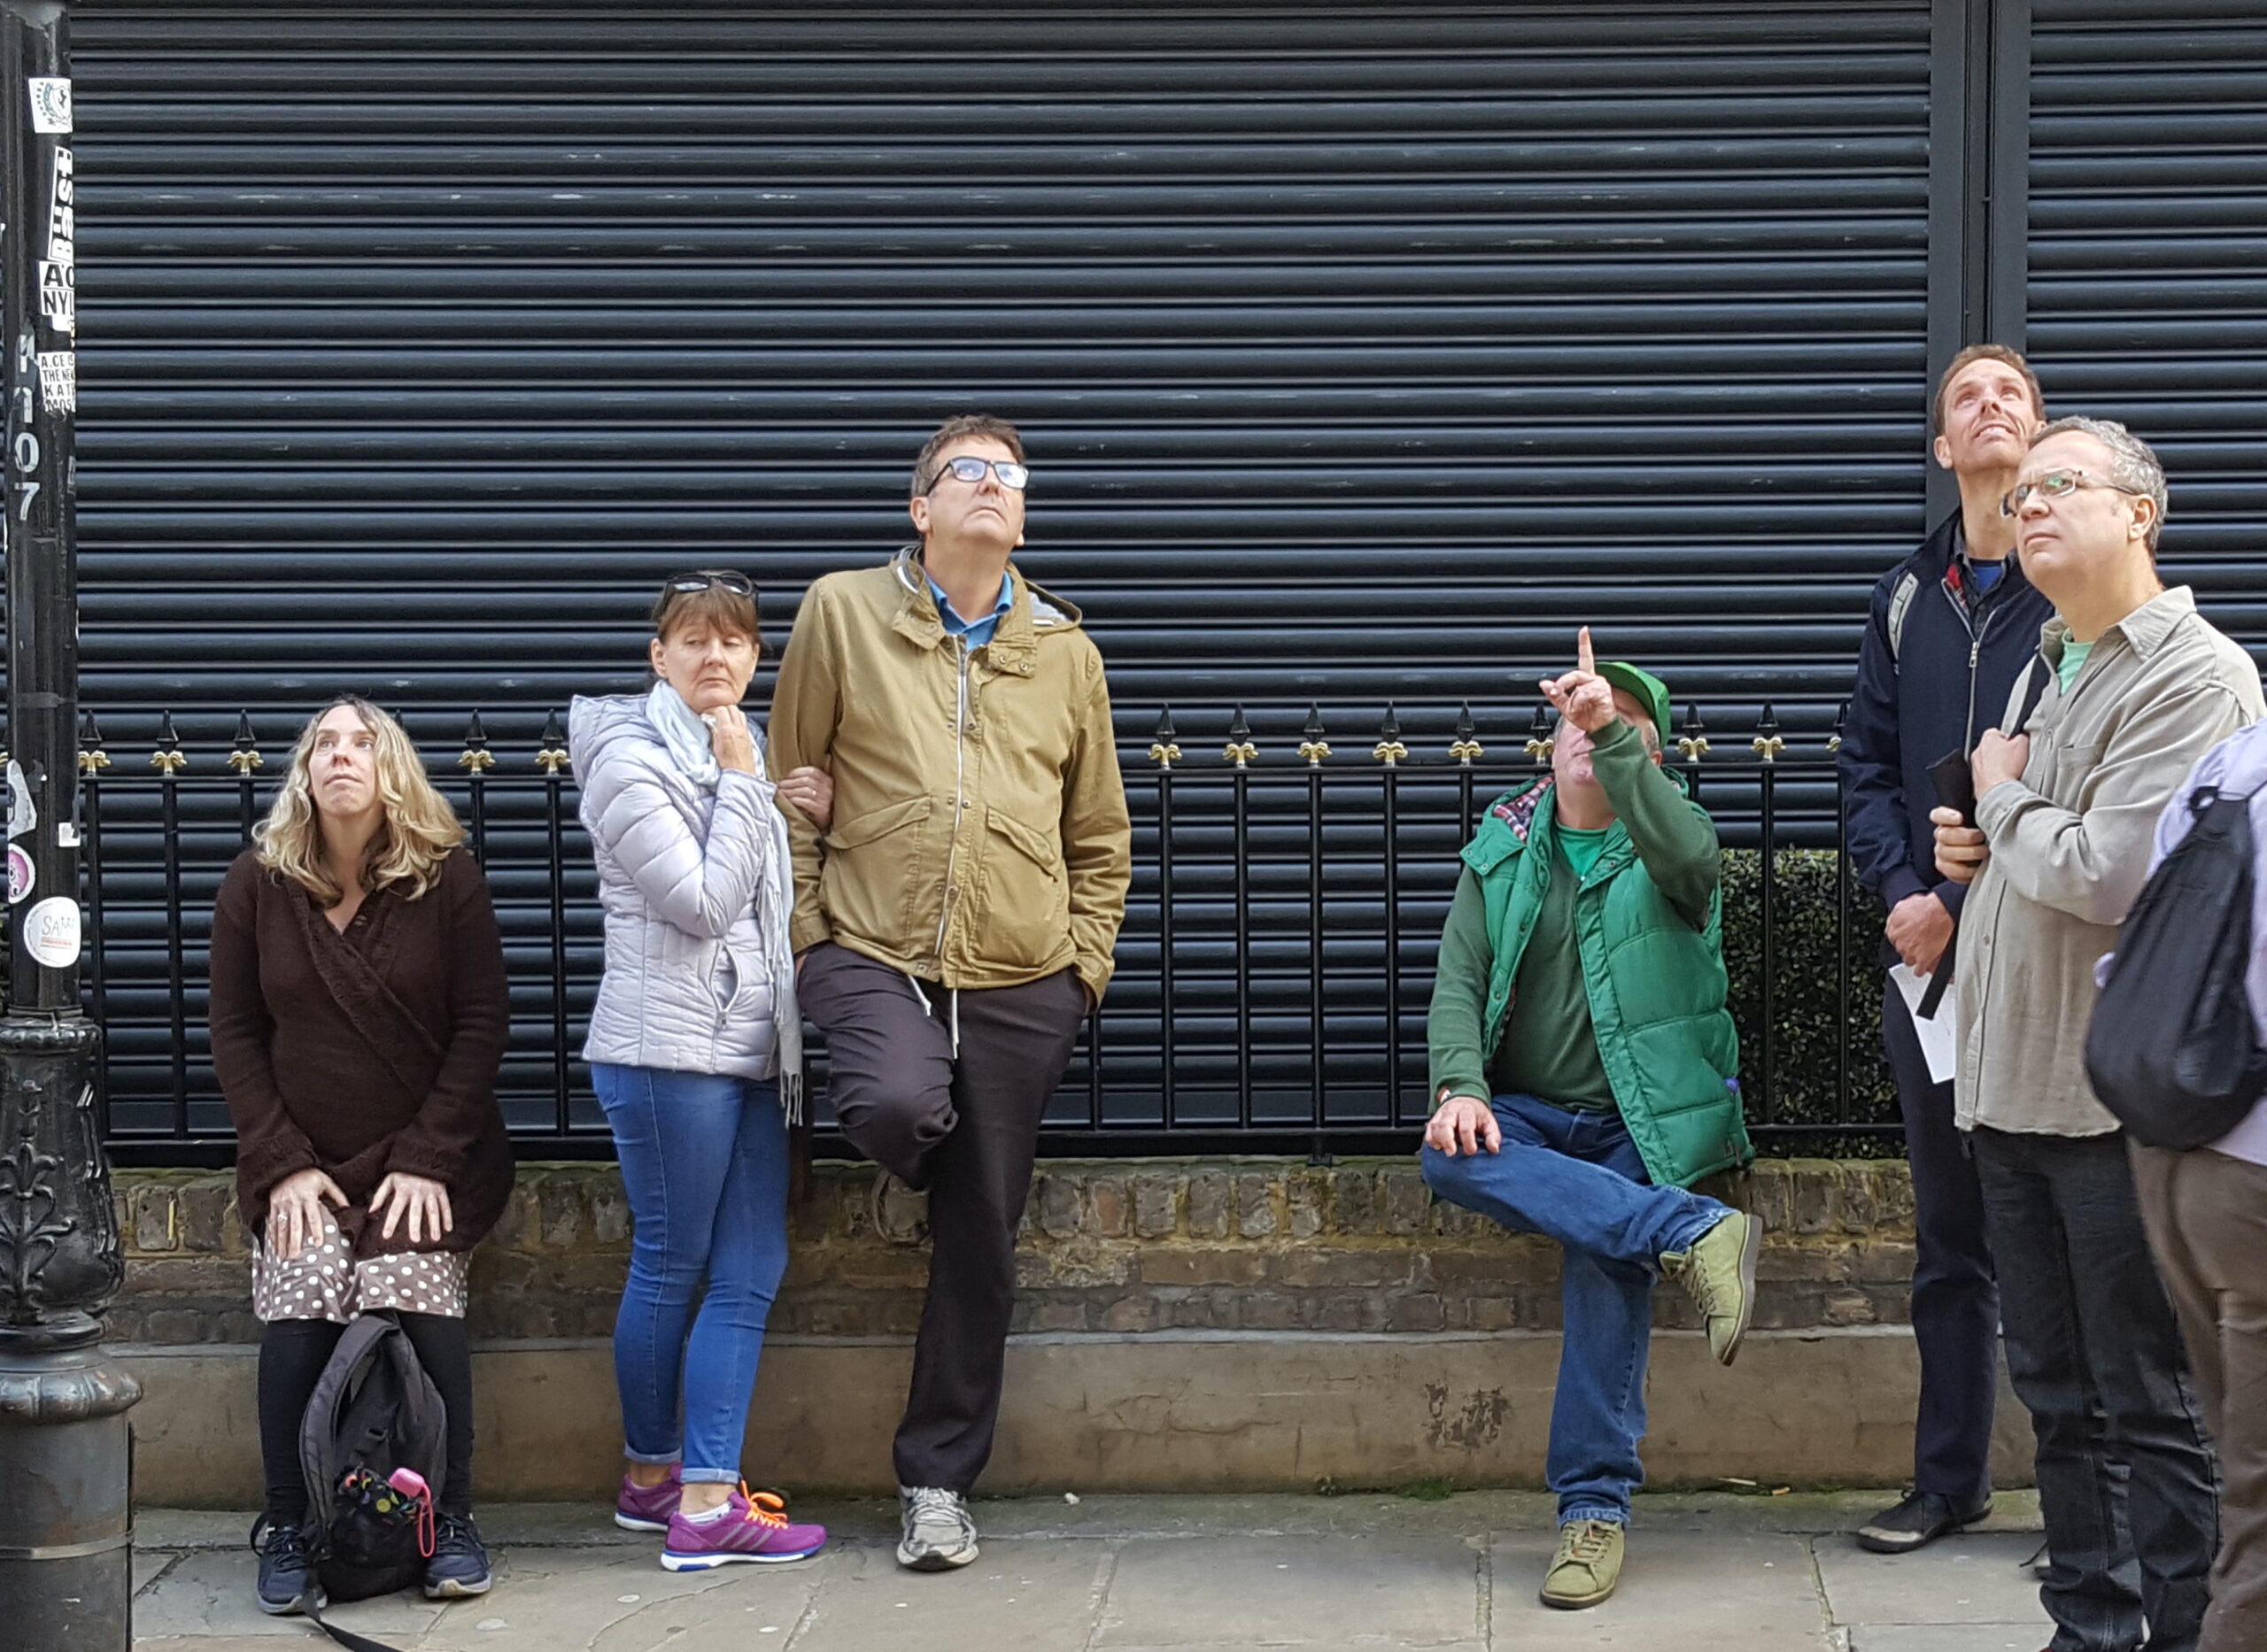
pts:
[292, 1354]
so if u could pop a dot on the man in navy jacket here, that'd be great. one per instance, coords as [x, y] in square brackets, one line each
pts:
[1950, 629]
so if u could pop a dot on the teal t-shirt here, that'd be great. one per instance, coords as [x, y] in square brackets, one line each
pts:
[2073, 662]
[1583, 848]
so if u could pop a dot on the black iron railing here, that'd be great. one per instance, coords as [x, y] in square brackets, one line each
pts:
[1273, 975]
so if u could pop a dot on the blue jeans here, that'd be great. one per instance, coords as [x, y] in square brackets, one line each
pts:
[1577, 1178]
[704, 1162]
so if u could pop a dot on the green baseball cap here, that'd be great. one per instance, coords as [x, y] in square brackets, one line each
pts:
[1651, 693]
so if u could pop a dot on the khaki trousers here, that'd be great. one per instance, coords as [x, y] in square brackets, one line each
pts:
[2206, 1219]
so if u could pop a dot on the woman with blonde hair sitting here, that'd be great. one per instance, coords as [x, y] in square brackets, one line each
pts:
[359, 1011]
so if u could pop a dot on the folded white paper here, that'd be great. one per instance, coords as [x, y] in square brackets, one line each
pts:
[1935, 1031]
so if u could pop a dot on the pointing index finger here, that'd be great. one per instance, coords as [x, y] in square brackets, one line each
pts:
[1583, 657]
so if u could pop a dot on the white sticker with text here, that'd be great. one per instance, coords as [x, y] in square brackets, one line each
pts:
[51, 931]
[51, 103]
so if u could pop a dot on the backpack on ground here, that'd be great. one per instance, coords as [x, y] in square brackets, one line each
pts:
[374, 1414]
[2173, 1050]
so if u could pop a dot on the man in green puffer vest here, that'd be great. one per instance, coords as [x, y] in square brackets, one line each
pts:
[1586, 1074]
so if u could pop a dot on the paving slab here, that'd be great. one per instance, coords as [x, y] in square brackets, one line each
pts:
[1694, 1590]
[1018, 1596]
[1948, 1637]
[210, 1594]
[1968, 1579]
[1387, 1589]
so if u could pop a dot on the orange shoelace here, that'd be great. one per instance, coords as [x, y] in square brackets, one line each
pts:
[764, 1508]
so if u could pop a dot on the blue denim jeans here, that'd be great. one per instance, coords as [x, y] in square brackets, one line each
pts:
[1577, 1178]
[704, 1162]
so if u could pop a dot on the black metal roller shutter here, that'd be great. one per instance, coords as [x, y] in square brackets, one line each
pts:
[1363, 351]
[2149, 262]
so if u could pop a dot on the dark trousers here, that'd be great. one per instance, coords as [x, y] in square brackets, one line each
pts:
[965, 1126]
[2207, 1217]
[2127, 1485]
[1955, 1298]
[293, 1354]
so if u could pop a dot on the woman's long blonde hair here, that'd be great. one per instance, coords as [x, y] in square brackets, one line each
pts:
[418, 831]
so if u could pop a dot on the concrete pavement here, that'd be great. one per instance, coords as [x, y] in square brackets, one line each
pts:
[1120, 1573]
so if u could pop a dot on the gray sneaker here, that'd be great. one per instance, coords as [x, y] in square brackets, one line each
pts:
[939, 1533]
[901, 1213]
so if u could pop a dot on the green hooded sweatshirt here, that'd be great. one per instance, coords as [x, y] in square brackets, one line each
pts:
[1647, 923]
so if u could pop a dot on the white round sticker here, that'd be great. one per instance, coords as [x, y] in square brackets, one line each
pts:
[51, 931]
[20, 876]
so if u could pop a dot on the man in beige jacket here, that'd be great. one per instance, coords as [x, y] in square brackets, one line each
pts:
[2136, 687]
[954, 925]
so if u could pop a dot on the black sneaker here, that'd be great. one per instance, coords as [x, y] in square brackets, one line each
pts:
[1922, 1517]
[286, 1578]
[459, 1564]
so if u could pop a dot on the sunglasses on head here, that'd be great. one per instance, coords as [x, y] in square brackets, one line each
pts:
[739, 584]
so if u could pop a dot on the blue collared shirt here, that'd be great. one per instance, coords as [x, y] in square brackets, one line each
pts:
[979, 632]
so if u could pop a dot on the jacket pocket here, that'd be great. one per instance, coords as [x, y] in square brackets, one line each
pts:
[1026, 900]
[871, 871]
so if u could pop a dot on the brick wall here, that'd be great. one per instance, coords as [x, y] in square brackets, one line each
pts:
[1107, 1246]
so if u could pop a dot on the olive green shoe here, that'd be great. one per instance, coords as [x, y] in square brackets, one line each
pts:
[1588, 1565]
[1718, 1273]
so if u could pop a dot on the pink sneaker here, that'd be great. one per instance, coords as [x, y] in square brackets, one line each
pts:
[648, 1508]
[754, 1527]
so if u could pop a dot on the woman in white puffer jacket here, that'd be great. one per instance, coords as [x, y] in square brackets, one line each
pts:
[696, 1053]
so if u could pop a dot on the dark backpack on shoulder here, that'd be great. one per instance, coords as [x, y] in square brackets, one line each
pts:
[374, 1411]
[2173, 1050]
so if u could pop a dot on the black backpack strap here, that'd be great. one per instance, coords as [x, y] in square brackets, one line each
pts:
[2034, 689]
[346, 1638]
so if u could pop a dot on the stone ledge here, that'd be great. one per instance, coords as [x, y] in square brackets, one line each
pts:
[1106, 1247]
[1168, 1411]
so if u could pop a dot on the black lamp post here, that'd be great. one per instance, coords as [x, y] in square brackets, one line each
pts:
[65, 1519]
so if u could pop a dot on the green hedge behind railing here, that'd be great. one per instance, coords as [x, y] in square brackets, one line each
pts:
[1806, 998]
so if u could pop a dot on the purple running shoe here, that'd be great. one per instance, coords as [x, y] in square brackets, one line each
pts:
[648, 1508]
[754, 1527]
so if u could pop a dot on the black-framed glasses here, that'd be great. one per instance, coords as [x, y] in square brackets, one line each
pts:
[971, 469]
[739, 584]
[2057, 484]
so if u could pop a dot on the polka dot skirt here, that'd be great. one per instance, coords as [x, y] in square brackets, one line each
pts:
[325, 1281]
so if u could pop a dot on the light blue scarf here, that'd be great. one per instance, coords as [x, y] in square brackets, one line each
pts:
[686, 738]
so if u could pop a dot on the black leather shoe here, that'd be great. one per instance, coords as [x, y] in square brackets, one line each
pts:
[287, 1581]
[1922, 1517]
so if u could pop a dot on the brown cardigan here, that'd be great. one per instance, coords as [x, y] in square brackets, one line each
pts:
[364, 1053]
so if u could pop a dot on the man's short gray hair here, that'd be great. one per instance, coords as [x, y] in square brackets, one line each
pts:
[2134, 463]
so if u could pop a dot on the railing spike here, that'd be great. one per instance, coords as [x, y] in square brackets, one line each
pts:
[92, 757]
[1389, 749]
[1165, 751]
[553, 757]
[1465, 749]
[246, 757]
[168, 758]
[1314, 748]
[1540, 730]
[475, 756]
[1766, 743]
[1240, 749]
[1692, 741]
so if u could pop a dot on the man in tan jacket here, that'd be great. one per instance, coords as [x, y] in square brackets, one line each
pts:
[954, 925]
[2134, 687]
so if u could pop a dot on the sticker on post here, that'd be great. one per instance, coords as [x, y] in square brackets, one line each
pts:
[51, 931]
[20, 876]
[51, 103]
[59, 296]
[21, 815]
[58, 380]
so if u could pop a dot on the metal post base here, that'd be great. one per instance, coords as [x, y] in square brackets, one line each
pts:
[66, 1521]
